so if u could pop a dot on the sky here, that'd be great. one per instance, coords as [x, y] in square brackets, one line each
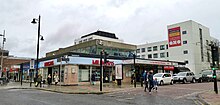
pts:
[62, 21]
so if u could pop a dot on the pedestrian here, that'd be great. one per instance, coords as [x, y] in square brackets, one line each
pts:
[145, 80]
[15, 78]
[150, 80]
[56, 78]
[39, 80]
[155, 84]
[93, 78]
[49, 79]
[132, 78]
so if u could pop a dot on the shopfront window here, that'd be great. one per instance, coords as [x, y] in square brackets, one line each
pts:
[83, 73]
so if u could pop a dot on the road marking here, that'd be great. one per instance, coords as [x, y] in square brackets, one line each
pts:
[191, 94]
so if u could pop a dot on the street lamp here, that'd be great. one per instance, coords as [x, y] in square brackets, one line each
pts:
[3, 42]
[34, 21]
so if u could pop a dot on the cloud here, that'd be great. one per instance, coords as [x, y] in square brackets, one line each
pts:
[133, 21]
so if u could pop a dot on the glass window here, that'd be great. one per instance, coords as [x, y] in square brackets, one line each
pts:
[162, 47]
[142, 49]
[142, 56]
[149, 49]
[155, 48]
[149, 55]
[138, 50]
[185, 52]
[185, 42]
[155, 55]
[162, 55]
[184, 32]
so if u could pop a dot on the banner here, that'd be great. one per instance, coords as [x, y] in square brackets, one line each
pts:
[174, 37]
[118, 71]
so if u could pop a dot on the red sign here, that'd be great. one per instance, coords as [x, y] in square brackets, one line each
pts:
[50, 63]
[168, 68]
[174, 37]
[96, 62]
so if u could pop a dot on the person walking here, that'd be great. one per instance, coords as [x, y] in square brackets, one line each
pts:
[155, 84]
[145, 80]
[49, 79]
[56, 78]
[150, 80]
[93, 78]
[39, 80]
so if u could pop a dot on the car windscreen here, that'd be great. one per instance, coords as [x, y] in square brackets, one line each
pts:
[158, 75]
[207, 72]
[181, 74]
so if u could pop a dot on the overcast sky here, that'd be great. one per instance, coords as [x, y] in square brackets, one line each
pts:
[62, 21]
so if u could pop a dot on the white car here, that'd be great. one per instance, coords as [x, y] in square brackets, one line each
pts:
[163, 78]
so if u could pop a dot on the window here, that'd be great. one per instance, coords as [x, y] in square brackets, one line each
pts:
[138, 56]
[167, 54]
[138, 50]
[142, 49]
[167, 46]
[155, 55]
[162, 47]
[142, 56]
[162, 55]
[149, 55]
[187, 62]
[80, 41]
[185, 42]
[185, 52]
[149, 49]
[184, 32]
[155, 48]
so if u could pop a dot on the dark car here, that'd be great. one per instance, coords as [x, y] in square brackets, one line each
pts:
[204, 76]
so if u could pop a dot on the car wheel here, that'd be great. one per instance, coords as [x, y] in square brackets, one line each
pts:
[161, 83]
[200, 81]
[171, 83]
[193, 80]
[184, 80]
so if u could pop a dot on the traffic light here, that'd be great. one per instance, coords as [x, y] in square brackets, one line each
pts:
[105, 57]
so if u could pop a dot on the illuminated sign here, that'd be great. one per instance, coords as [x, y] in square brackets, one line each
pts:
[96, 62]
[174, 37]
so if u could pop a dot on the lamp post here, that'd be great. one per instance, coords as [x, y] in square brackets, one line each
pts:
[34, 21]
[3, 42]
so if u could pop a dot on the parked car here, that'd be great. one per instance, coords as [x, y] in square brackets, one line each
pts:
[204, 76]
[185, 77]
[163, 78]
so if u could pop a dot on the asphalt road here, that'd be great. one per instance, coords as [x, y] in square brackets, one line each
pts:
[37, 97]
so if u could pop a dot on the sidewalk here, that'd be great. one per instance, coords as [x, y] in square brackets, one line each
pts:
[210, 97]
[80, 89]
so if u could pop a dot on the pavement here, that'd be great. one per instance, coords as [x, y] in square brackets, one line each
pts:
[208, 97]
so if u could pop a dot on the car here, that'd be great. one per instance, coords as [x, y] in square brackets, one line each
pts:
[163, 78]
[184, 77]
[204, 76]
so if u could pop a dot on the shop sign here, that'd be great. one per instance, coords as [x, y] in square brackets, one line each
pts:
[97, 62]
[168, 67]
[49, 63]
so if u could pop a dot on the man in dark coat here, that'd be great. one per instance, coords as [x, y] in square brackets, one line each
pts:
[150, 80]
[93, 78]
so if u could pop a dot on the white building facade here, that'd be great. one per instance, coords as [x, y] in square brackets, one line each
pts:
[187, 42]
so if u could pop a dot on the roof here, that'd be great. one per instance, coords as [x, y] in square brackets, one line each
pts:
[103, 34]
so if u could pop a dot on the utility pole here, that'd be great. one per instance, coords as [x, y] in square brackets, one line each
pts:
[135, 80]
[101, 53]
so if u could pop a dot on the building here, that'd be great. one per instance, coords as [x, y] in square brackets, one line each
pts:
[95, 42]
[75, 64]
[187, 42]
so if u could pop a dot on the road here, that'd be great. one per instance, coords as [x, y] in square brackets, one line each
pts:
[177, 94]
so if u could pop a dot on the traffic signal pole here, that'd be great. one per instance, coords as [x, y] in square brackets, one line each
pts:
[215, 65]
